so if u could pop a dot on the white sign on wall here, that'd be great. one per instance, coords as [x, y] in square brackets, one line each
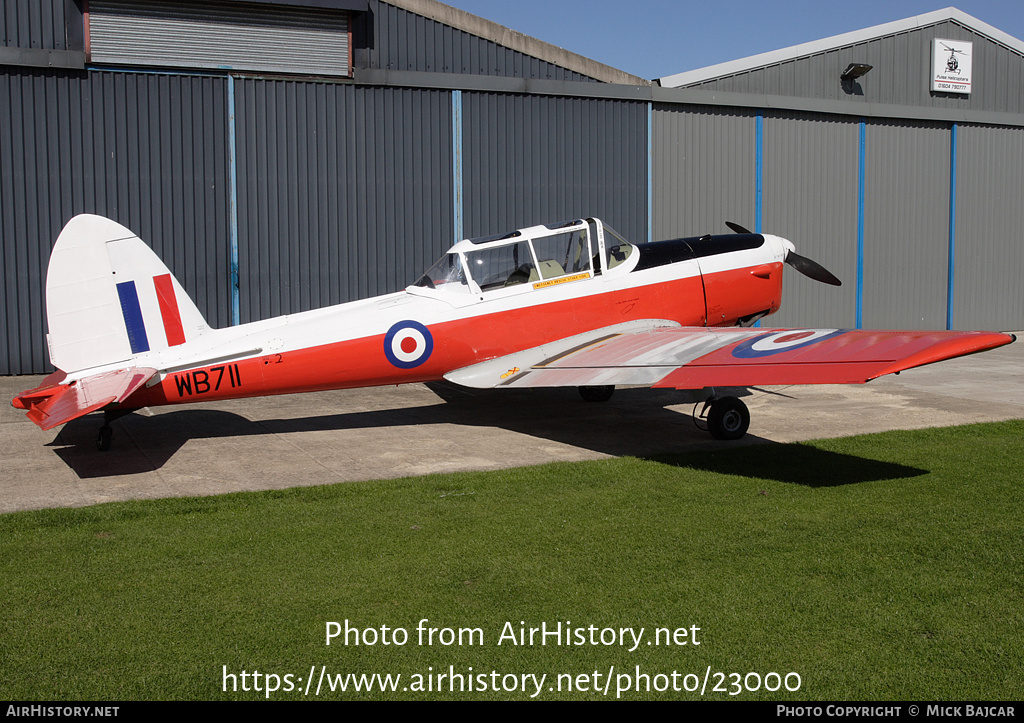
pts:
[951, 65]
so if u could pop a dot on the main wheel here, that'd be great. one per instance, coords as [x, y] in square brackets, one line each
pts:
[597, 394]
[728, 418]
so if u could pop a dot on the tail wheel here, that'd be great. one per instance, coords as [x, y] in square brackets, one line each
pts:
[728, 418]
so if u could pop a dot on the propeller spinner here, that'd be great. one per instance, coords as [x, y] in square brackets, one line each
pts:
[807, 267]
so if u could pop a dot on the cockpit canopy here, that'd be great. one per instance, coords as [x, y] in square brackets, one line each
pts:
[540, 256]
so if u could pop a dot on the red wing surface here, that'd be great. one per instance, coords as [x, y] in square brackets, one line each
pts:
[693, 358]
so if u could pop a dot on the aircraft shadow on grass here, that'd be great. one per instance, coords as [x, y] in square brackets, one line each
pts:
[636, 422]
[792, 463]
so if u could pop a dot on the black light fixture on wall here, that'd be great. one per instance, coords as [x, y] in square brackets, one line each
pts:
[848, 78]
[855, 70]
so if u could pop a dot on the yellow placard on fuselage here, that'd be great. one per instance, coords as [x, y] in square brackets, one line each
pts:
[561, 280]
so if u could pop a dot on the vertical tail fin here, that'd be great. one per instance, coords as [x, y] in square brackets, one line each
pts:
[109, 298]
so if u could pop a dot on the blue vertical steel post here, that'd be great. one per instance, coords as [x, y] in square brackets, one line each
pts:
[758, 175]
[457, 196]
[758, 168]
[650, 173]
[861, 170]
[233, 202]
[952, 226]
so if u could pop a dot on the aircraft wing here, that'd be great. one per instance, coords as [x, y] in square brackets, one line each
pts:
[53, 403]
[662, 355]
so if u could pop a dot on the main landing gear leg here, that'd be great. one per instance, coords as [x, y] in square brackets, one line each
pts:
[727, 417]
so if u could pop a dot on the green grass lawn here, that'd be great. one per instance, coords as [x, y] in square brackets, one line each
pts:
[877, 567]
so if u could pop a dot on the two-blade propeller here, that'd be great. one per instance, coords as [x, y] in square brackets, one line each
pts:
[807, 267]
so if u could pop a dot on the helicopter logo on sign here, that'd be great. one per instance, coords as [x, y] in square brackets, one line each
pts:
[952, 66]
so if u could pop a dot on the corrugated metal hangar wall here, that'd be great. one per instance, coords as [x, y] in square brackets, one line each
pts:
[871, 199]
[269, 194]
[915, 198]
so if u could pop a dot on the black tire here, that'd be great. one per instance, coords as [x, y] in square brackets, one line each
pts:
[728, 418]
[104, 438]
[597, 394]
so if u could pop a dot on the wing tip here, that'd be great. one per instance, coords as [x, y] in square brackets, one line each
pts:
[958, 345]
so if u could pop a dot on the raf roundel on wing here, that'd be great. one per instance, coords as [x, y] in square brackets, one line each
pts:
[780, 341]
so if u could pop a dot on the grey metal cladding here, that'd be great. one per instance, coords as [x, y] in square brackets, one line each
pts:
[906, 225]
[703, 172]
[900, 75]
[809, 184]
[39, 24]
[220, 35]
[988, 288]
[344, 192]
[147, 150]
[47, 34]
[539, 159]
[407, 41]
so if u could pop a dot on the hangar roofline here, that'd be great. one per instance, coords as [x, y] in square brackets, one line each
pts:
[515, 40]
[814, 47]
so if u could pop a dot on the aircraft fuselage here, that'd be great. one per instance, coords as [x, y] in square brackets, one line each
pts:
[421, 333]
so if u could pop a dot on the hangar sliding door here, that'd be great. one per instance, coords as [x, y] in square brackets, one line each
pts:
[703, 169]
[987, 288]
[147, 150]
[810, 197]
[344, 192]
[529, 160]
[906, 225]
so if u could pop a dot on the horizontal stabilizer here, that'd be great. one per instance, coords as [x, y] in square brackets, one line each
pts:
[53, 403]
[698, 357]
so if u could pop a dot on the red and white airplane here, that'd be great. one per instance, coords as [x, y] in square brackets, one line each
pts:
[573, 304]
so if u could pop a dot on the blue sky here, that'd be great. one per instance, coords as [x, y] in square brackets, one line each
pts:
[655, 38]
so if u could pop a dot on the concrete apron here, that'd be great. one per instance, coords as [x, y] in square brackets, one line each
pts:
[387, 432]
